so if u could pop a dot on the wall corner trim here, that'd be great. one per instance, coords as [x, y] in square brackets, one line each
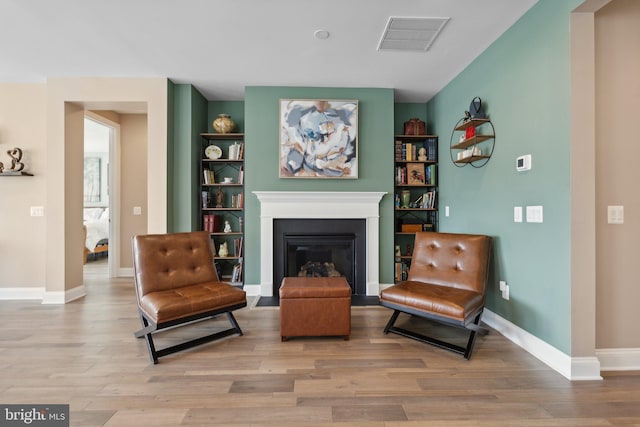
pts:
[63, 297]
[574, 369]
[125, 272]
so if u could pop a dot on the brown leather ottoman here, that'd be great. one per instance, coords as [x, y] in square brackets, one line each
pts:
[315, 306]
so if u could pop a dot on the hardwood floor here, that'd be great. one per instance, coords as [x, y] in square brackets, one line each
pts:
[84, 354]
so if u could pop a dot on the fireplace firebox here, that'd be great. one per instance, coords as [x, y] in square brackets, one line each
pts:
[320, 247]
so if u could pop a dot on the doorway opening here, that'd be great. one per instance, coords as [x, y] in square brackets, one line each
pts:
[99, 250]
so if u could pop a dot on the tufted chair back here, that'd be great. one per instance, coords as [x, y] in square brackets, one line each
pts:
[454, 260]
[165, 261]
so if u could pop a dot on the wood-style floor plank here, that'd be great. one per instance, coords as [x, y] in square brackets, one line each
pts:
[84, 354]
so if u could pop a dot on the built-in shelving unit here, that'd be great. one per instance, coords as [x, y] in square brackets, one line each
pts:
[221, 205]
[416, 190]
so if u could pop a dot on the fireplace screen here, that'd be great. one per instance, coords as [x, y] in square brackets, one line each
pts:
[313, 256]
[320, 248]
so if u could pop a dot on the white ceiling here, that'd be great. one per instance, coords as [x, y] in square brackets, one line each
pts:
[222, 46]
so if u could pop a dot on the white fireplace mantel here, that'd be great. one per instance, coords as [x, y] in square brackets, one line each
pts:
[318, 205]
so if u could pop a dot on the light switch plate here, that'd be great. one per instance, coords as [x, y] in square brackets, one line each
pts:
[615, 214]
[37, 210]
[534, 213]
[517, 214]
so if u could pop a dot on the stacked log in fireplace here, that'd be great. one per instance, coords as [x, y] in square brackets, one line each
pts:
[318, 269]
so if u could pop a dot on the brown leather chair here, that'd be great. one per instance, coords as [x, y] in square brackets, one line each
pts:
[176, 282]
[447, 282]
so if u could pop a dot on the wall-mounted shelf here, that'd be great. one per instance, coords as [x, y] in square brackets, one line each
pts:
[21, 173]
[483, 140]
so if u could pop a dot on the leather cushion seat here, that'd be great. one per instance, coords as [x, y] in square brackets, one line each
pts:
[454, 303]
[164, 306]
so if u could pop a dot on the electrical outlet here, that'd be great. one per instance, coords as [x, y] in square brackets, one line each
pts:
[505, 293]
[503, 285]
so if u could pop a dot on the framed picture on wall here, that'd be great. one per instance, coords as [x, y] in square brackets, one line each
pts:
[318, 138]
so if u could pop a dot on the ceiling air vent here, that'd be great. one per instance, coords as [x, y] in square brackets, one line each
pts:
[411, 33]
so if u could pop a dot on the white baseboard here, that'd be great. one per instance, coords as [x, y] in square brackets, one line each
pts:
[252, 290]
[125, 272]
[384, 286]
[619, 359]
[63, 297]
[576, 368]
[21, 293]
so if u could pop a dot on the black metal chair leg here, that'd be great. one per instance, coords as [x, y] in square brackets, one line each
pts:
[391, 321]
[234, 322]
[472, 337]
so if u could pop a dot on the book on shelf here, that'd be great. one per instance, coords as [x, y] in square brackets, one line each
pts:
[236, 274]
[429, 200]
[431, 145]
[237, 247]
[431, 175]
[208, 176]
[398, 150]
[237, 200]
[241, 175]
[401, 175]
[211, 223]
[408, 151]
[236, 151]
[401, 271]
[205, 199]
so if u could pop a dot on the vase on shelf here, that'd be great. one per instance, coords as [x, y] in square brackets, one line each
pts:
[405, 198]
[224, 124]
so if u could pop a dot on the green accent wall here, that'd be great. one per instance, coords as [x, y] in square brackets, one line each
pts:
[523, 80]
[233, 108]
[405, 111]
[187, 119]
[375, 161]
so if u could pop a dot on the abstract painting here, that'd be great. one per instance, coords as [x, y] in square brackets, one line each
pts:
[318, 138]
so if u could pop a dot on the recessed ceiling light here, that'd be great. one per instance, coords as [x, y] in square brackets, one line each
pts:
[321, 34]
